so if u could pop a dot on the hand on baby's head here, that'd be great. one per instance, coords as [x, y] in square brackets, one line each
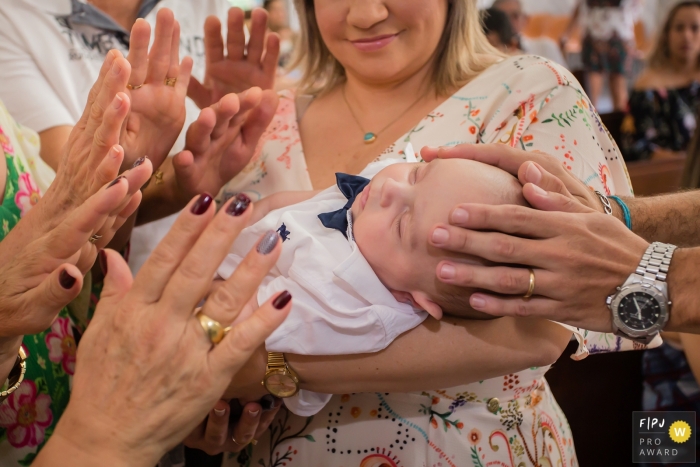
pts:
[396, 212]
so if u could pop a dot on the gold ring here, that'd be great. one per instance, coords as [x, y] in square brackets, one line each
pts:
[158, 175]
[241, 444]
[93, 239]
[170, 81]
[530, 289]
[254, 442]
[215, 331]
[131, 87]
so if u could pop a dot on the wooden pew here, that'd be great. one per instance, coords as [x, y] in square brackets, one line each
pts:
[654, 177]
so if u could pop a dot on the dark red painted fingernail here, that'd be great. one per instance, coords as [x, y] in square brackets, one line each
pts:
[268, 402]
[102, 256]
[138, 162]
[282, 300]
[66, 280]
[238, 205]
[115, 181]
[202, 204]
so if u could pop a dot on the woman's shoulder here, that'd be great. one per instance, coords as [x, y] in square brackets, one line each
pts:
[522, 74]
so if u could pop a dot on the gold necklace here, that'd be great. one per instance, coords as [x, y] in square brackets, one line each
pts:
[369, 136]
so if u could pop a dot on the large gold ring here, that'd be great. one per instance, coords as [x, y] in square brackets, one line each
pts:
[215, 331]
[131, 87]
[531, 288]
[93, 239]
[170, 81]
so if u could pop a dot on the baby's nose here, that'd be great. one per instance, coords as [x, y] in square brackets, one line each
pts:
[391, 193]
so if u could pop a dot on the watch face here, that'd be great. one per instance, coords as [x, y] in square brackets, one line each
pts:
[639, 311]
[280, 385]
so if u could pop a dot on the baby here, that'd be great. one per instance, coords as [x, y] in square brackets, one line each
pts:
[356, 256]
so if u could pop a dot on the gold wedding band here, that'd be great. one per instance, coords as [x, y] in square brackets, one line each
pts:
[131, 87]
[215, 331]
[93, 239]
[158, 175]
[254, 442]
[530, 289]
[170, 81]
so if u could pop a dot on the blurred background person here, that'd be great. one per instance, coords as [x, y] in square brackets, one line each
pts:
[542, 46]
[278, 22]
[664, 100]
[608, 44]
[499, 31]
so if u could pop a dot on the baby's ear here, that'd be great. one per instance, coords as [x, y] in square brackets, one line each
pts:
[419, 300]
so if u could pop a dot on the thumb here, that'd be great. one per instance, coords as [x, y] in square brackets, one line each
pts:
[551, 201]
[56, 291]
[198, 93]
[118, 278]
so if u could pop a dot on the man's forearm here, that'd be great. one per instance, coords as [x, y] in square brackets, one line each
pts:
[673, 218]
[684, 291]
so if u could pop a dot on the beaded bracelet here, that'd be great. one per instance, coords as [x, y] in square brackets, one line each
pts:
[625, 211]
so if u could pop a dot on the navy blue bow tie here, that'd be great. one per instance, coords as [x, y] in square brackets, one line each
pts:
[350, 186]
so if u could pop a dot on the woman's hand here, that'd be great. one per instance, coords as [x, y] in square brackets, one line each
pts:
[147, 373]
[47, 273]
[158, 109]
[222, 141]
[235, 68]
[513, 161]
[579, 256]
[230, 427]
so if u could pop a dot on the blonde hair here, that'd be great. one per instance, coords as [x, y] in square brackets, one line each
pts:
[462, 53]
[661, 55]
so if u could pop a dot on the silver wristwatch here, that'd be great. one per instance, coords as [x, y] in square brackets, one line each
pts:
[640, 307]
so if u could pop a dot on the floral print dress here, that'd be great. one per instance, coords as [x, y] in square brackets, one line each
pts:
[29, 415]
[525, 102]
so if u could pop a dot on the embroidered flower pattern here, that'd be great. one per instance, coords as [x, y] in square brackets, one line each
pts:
[27, 194]
[26, 415]
[5, 143]
[61, 344]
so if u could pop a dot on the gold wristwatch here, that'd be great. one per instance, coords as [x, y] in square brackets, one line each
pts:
[16, 375]
[280, 380]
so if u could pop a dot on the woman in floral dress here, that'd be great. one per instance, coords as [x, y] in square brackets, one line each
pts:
[364, 98]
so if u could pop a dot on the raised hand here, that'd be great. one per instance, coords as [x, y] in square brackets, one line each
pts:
[158, 87]
[230, 67]
[48, 272]
[222, 141]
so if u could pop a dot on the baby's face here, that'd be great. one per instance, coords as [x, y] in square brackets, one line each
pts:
[396, 212]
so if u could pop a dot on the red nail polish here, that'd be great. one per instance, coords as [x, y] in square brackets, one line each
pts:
[239, 205]
[102, 256]
[66, 280]
[282, 300]
[202, 204]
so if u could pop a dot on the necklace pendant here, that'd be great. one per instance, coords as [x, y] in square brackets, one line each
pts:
[370, 137]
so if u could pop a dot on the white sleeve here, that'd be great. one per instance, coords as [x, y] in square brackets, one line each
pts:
[27, 94]
[307, 403]
[312, 328]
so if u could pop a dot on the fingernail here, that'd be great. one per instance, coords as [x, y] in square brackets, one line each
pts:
[254, 413]
[268, 402]
[114, 151]
[533, 174]
[115, 181]
[116, 69]
[440, 235]
[238, 205]
[539, 190]
[268, 242]
[66, 280]
[202, 204]
[282, 300]
[460, 216]
[117, 102]
[477, 302]
[447, 271]
[103, 261]
[220, 412]
[138, 162]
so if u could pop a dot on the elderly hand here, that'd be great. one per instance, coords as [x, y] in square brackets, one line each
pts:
[579, 256]
[222, 141]
[47, 273]
[147, 373]
[513, 161]
[216, 434]
[236, 68]
[158, 109]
